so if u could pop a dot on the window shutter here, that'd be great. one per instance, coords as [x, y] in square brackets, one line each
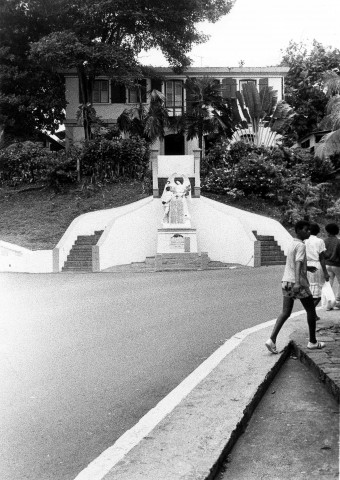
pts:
[263, 83]
[96, 91]
[156, 84]
[229, 87]
[143, 90]
[80, 96]
[118, 93]
[189, 97]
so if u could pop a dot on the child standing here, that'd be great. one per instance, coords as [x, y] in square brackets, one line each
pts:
[332, 255]
[295, 285]
[315, 250]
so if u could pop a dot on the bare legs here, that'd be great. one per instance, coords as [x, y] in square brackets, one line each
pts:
[287, 307]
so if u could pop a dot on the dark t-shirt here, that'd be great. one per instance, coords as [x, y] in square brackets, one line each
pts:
[332, 253]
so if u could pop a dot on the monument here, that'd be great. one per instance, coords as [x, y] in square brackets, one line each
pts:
[176, 234]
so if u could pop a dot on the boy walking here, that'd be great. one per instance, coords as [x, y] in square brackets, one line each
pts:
[295, 285]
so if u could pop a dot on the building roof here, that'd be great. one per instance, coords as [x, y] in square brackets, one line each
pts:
[234, 70]
[213, 70]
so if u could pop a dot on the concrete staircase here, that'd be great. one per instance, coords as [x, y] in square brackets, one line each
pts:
[80, 256]
[171, 264]
[181, 261]
[268, 251]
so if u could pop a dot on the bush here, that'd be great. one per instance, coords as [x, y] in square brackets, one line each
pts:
[255, 174]
[27, 162]
[105, 160]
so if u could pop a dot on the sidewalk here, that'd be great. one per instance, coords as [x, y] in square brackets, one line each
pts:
[193, 440]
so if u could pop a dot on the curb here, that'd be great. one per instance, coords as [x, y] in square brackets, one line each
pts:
[248, 412]
[193, 441]
[330, 383]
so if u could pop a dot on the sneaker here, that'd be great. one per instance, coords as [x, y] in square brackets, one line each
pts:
[271, 346]
[315, 346]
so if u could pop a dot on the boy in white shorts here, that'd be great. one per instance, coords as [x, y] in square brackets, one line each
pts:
[295, 285]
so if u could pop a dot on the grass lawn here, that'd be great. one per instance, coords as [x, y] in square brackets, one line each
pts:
[37, 218]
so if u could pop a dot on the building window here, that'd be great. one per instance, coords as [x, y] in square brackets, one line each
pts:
[101, 91]
[243, 82]
[174, 97]
[137, 93]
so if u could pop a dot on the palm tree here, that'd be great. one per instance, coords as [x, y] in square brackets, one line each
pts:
[330, 143]
[148, 121]
[207, 112]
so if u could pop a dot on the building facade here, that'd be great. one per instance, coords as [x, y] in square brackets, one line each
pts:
[110, 99]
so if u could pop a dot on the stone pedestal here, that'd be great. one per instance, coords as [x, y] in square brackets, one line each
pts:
[177, 240]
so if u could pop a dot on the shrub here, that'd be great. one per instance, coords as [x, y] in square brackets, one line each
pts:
[255, 174]
[306, 201]
[105, 160]
[27, 162]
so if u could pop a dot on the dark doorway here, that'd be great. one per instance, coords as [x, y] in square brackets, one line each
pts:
[174, 144]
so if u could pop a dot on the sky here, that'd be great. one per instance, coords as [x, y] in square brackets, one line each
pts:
[255, 32]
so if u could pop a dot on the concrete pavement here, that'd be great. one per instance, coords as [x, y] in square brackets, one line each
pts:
[193, 440]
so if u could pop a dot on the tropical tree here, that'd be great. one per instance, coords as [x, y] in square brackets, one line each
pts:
[330, 143]
[32, 98]
[304, 84]
[148, 121]
[259, 116]
[206, 114]
[105, 37]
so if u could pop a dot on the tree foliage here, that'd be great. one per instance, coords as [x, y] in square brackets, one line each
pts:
[94, 37]
[305, 85]
[207, 112]
[263, 112]
[330, 143]
[31, 97]
[148, 121]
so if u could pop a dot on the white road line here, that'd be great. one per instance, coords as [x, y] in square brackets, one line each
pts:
[99, 467]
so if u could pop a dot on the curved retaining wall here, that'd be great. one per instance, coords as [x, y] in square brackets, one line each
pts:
[130, 235]
[14, 258]
[86, 224]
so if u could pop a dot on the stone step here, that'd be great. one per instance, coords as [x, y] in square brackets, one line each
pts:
[84, 263]
[76, 269]
[265, 248]
[86, 241]
[271, 253]
[273, 262]
[79, 258]
[269, 261]
[263, 238]
[269, 243]
[82, 248]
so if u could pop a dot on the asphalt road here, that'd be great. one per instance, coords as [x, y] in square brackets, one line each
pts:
[84, 357]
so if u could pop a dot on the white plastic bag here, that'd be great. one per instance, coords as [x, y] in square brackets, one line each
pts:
[327, 296]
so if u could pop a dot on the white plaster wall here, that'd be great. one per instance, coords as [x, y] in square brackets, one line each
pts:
[276, 83]
[131, 236]
[222, 235]
[251, 221]
[14, 258]
[169, 164]
[87, 223]
[72, 96]
[107, 111]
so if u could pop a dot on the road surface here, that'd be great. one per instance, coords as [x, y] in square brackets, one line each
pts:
[84, 357]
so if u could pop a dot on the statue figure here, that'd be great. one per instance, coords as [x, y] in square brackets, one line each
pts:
[174, 200]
